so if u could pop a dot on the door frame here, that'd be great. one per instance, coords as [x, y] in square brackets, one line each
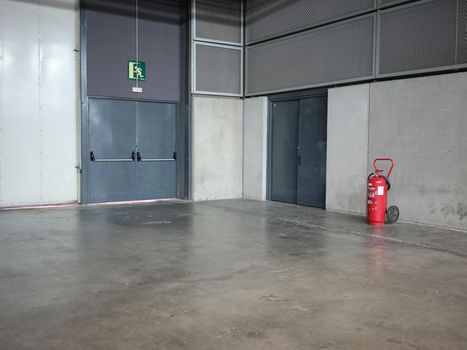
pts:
[183, 110]
[289, 96]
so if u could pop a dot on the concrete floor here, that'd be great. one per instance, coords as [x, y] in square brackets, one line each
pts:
[227, 275]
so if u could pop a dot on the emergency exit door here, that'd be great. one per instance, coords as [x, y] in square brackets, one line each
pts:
[298, 151]
[131, 150]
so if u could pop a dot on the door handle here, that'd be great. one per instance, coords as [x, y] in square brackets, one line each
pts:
[133, 156]
[138, 157]
[299, 160]
[91, 155]
[174, 155]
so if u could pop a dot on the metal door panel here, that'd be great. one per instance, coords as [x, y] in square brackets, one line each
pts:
[155, 130]
[111, 181]
[112, 129]
[156, 140]
[155, 180]
[285, 115]
[311, 179]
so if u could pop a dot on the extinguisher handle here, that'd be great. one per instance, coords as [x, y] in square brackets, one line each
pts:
[383, 159]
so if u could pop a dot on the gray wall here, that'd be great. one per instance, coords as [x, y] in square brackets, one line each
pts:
[255, 147]
[217, 145]
[347, 148]
[111, 43]
[422, 124]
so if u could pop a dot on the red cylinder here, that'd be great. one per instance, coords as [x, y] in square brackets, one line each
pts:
[376, 200]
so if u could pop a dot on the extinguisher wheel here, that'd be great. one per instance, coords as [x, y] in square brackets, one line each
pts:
[392, 214]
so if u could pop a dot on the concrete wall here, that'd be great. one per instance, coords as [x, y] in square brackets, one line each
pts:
[347, 149]
[38, 107]
[255, 148]
[422, 124]
[217, 148]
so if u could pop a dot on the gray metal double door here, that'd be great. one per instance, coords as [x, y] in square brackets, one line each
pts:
[131, 150]
[298, 151]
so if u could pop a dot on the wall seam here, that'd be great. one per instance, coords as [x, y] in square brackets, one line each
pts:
[368, 130]
[39, 53]
[243, 149]
[264, 178]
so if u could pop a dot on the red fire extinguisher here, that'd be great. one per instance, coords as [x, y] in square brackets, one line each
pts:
[378, 187]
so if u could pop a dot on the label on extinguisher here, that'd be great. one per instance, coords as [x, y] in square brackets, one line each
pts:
[380, 190]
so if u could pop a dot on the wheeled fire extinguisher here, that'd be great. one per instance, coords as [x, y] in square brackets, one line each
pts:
[377, 196]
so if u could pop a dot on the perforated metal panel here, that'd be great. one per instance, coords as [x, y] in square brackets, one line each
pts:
[219, 20]
[269, 19]
[384, 3]
[462, 31]
[329, 54]
[218, 69]
[420, 36]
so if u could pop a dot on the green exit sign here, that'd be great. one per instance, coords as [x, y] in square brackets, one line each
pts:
[136, 70]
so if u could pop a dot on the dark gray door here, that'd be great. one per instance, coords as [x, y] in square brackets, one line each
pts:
[111, 135]
[311, 177]
[131, 150]
[284, 142]
[155, 137]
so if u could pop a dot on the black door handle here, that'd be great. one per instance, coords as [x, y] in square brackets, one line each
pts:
[133, 156]
[138, 156]
[174, 155]
[91, 155]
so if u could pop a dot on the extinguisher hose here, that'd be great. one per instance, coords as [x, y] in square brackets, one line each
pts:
[388, 184]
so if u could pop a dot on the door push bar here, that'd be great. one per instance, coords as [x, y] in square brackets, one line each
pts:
[97, 160]
[140, 159]
[134, 156]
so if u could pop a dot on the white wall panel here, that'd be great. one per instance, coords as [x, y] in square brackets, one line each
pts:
[38, 107]
[20, 141]
[58, 102]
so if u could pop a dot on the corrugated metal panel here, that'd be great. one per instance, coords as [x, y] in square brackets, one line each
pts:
[335, 53]
[218, 69]
[426, 35]
[219, 20]
[269, 19]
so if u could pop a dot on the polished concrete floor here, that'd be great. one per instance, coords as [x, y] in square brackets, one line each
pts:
[227, 275]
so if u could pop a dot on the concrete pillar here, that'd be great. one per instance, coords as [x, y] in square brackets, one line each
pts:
[255, 148]
[217, 148]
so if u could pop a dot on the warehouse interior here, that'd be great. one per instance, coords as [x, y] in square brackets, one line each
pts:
[194, 174]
